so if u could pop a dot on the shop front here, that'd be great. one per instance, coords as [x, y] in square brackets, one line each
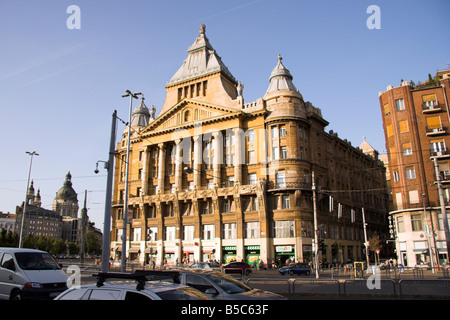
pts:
[188, 254]
[229, 254]
[169, 256]
[252, 255]
[284, 254]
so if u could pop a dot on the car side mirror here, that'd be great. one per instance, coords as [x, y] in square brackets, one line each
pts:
[211, 291]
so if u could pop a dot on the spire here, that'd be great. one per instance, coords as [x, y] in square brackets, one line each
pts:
[281, 78]
[202, 59]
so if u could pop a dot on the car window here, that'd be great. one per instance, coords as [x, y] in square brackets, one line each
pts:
[198, 283]
[228, 284]
[104, 294]
[36, 261]
[182, 294]
[76, 294]
[135, 296]
[8, 262]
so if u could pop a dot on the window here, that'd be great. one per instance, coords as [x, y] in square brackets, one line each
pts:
[399, 200]
[251, 157]
[400, 224]
[434, 123]
[407, 149]
[441, 221]
[274, 132]
[188, 233]
[285, 202]
[251, 135]
[283, 152]
[252, 178]
[387, 109]
[389, 130]
[136, 234]
[208, 231]
[416, 222]
[252, 230]
[413, 196]
[396, 176]
[283, 229]
[275, 153]
[400, 104]
[152, 234]
[282, 131]
[437, 147]
[403, 126]
[429, 101]
[281, 179]
[410, 173]
[229, 230]
[170, 233]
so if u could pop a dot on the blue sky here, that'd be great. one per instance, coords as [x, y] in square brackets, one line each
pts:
[59, 87]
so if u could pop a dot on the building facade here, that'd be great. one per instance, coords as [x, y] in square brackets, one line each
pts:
[38, 221]
[416, 125]
[214, 178]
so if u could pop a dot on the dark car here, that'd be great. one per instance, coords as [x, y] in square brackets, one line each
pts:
[238, 267]
[296, 268]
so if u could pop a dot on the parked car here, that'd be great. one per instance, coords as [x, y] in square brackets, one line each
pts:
[238, 267]
[30, 274]
[127, 289]
[215, 285]
[205, 266]
[296, 268]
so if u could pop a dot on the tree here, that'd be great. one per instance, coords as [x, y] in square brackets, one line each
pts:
[374, 245]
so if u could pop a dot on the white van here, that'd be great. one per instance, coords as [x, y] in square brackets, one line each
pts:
[29, 274]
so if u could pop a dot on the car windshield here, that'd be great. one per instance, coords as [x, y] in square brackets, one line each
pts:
[228, 284]
[36, 261]
[182, 294]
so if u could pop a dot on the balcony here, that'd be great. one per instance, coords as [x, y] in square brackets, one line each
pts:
[431, 108]
[288, 185]
[436, 131]
[440, 154]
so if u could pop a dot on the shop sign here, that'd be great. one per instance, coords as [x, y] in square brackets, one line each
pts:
[283, 248]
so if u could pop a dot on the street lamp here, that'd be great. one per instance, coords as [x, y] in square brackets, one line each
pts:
[26, 197]
[125, 205]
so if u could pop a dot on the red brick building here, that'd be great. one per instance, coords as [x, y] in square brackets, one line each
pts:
[416, 121]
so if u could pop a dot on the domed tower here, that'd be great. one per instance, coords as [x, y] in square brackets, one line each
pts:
[66, 200]
[287, 125]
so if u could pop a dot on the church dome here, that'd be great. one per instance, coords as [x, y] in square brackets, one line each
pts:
[67, 193]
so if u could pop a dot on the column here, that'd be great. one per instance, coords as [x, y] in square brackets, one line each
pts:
[218, 157]
[161, 167]
[239, 150]
[197, 160]
[145, 169]
[178, 168]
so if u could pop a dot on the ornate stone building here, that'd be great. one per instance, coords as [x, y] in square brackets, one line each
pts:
[214, 178]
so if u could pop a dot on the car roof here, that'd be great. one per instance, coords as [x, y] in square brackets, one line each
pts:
[12, 249]
[131, 285]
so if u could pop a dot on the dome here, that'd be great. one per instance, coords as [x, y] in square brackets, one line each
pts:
[281, 79]
[67, 193]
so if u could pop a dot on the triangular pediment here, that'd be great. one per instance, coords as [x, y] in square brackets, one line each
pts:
[187, 113]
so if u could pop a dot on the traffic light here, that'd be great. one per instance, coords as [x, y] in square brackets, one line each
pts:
[321, 245]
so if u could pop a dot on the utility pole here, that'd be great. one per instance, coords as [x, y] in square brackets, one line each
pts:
[107, 218]
[442, 203]
[316, 230]
[83, 228]
[366, 242]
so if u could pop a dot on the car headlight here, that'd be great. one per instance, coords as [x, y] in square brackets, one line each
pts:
[34, 285]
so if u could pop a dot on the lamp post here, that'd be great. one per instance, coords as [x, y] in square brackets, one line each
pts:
[127, 167]
[26, 197]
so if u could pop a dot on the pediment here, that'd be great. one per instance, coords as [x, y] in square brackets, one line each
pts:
[187, 113]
